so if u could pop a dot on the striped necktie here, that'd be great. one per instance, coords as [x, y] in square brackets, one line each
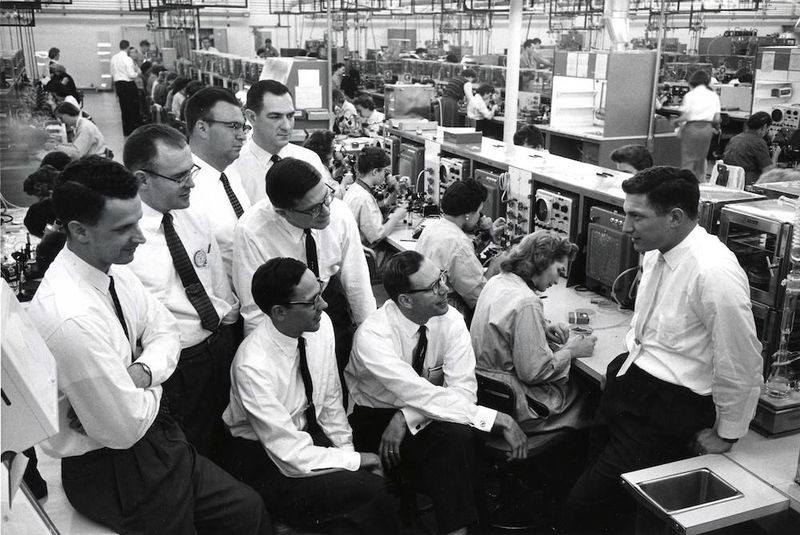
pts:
[191, 282]
[237, 207]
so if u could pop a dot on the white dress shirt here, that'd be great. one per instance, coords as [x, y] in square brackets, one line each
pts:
[701, 333]
[477, 108]
[209, 197]
[74, 313]
[268, 400]
[380, 375]
[153, 265]
[371, 126]
[700, 104]
[123, 69]
[449, 247]
[254, 162]
[366, 212]
[262, 234]
[87, 140]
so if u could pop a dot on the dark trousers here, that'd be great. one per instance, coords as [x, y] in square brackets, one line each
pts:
[336, 502]
[161, 486]
[128, 96]
[343, 326]
[449, 111]
[198, 391]
[440, 460]
[642, 422]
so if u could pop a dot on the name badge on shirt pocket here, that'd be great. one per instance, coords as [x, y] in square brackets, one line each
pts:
[201, 258]
[435, 375]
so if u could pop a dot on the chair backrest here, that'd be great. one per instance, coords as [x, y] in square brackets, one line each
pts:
[495, 394]
[734, 178]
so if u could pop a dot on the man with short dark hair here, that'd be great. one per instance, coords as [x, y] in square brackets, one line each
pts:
[124, 73]
[530, 57]
[271, 51]
[180, 263]
[412, 378]
[749, 149]
[691, 378]
[270, 110]
[301, 219]
[632, 158]
[217, 130]
[125, 463]
[293, 443]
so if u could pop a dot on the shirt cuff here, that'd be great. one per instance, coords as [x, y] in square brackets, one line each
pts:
[731, 430]
[484, 418]
[415, 420]
[352, 460]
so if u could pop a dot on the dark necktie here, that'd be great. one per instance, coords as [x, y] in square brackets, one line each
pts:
[312, 425]
[118, 306]
[311, 252]
[273, 159]
[418, 357]
[191, 282]
[237, 207]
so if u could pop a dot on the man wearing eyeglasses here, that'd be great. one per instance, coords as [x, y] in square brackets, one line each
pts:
[302, 220]
[412, 380]
[217, 131]
[270, 110]
[180, 263]
[292, 442]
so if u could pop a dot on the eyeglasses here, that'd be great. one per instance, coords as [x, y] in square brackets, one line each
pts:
[438, 287]
[314, 302]
[233, 125]
[181, 179]
[316, 210]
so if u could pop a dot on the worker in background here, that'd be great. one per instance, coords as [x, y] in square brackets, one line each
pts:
[261, 53]
[86, 138]
[456, 91]
[124, 72]
[479, 107]
[699, 120]
[412, 378]
[61, 84]
[272, 52]
[347, 120]
[531, 57]
[270, 110]
[749, 150]
[149, 52]
[181, 265]
[207, 45]
[292, 442]
[691, 378]
[125, 463]
[632, 158]
[337, 74]
[529, 136]
[54, 58]
[371, 119]
[302, 219]
[217, 131]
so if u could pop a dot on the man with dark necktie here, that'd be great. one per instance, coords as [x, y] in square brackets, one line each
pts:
[180, 263]
[125, 463]
[217, 131]
[412, 379]
[293, 443]
[302, 220]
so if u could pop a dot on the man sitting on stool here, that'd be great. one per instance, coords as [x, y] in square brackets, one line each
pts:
[294, 445]
[180, 263]
[412, 379]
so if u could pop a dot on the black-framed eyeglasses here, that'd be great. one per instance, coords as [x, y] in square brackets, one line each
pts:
[233, 125]
[438, 287]
[181, 179]
[313, 302]
[316, 210]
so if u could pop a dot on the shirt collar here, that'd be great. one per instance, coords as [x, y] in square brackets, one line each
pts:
[151, 218]
[76, 265]
[260, 154]
[453, 226]
[407, 327]
[286, 344]
[204, 165]
[674, 256]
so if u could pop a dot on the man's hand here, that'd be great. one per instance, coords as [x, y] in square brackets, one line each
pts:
[140, 375]
[371, 463]
[393, 435]
[557, 333]
[708, 441]
[514, 436]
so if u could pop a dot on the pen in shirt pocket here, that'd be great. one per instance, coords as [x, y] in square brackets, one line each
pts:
[209, 248]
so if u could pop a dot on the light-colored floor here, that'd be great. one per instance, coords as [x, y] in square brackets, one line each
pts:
[104, 109]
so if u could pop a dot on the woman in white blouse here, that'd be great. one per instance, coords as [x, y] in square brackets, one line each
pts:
[515, 344]
[700, 114]
[87, 138]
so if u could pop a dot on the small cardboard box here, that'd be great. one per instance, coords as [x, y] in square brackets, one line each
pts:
[462, 136]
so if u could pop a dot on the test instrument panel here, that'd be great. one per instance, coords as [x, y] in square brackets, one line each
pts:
[451, 169]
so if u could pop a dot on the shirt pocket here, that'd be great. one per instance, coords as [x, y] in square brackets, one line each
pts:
[435, 375]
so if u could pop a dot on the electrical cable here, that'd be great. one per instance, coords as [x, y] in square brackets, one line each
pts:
[635, 283]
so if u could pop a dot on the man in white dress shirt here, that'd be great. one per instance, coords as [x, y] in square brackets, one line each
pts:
[125, 463]
[412, 380]
[302, 220]
[217, 131]
[690, 381]
[180, 264]
[293, 443]
[124, 72]
[270, 110]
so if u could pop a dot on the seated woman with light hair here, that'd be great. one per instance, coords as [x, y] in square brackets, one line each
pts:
[516, 345]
